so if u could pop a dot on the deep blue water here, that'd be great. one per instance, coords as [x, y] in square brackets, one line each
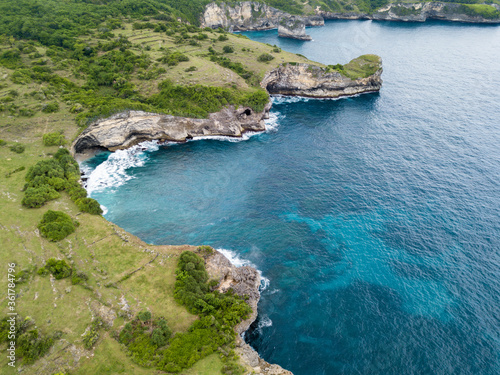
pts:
[376, 219]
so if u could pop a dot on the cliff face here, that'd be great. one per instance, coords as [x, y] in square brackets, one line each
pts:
[248, 15]
[129, 128]
[293, 27]
[316, 82]
[245, 281]
[415, 12]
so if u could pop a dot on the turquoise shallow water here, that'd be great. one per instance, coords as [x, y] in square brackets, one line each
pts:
[376, 219]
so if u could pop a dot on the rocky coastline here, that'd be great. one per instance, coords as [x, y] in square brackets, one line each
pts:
[245, 282]
[414, 12]
[129, 128]
[249, 15]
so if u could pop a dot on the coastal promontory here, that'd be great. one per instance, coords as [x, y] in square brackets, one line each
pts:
[293, 27]
[360, 75]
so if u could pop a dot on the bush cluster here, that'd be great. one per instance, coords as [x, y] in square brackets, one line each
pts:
[30, 343]
[53, 139]
[17, 148]
[56, 225]
[58, 268]
[92, 334]
[265, 57]
[148, 340]
[145, 338]
[47, 178]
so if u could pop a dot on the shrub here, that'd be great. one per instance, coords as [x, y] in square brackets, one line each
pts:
[56, 225]
[35, 197]
[31, 344]
[92, 334]
[17, 148]
[191, 69]
[256, 100]
[50, 107]
[26, 112]
[76, 192]
[2, 142]
[54, 139]
[89, 205]
[265, 57]
[58, 268]
[228, 49]
[222, 38]
[144, 316]
[78, 278]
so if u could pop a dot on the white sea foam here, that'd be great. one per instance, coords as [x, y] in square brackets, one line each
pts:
[264, 322]
[279, 99]
[273, 122]
[113, 172]
[239, 262]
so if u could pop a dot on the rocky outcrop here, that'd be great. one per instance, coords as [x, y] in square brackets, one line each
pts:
[293, 27]
[245, 282]
[130, 128]
[248, 15]
[417, 12]
[318, 82]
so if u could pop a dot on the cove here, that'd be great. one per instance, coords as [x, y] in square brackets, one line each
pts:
[374, 218]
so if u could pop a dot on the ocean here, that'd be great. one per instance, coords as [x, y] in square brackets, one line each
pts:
[375, 220]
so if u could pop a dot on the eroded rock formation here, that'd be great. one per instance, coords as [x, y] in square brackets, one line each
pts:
[293, 27]
[416, 12]
[248, 15]
[245, 282]
[317, 82]
[130, 128]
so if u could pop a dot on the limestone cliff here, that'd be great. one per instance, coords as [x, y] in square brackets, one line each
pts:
[416, 12]
[293, 27]
[317, 82]
[129, 128]
[245, 282]
[248, 15]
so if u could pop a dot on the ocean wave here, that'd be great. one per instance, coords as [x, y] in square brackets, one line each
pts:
[264, 322]
[273, 122]
[280, 99]
[113, 172]
[239, 262]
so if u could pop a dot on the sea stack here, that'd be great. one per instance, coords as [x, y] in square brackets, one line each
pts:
[293, 27]
[361, 75]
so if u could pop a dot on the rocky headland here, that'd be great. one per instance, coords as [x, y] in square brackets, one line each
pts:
[318, 82]
[126, 129]
[245, 282]
[129, 128]
[293, 27]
